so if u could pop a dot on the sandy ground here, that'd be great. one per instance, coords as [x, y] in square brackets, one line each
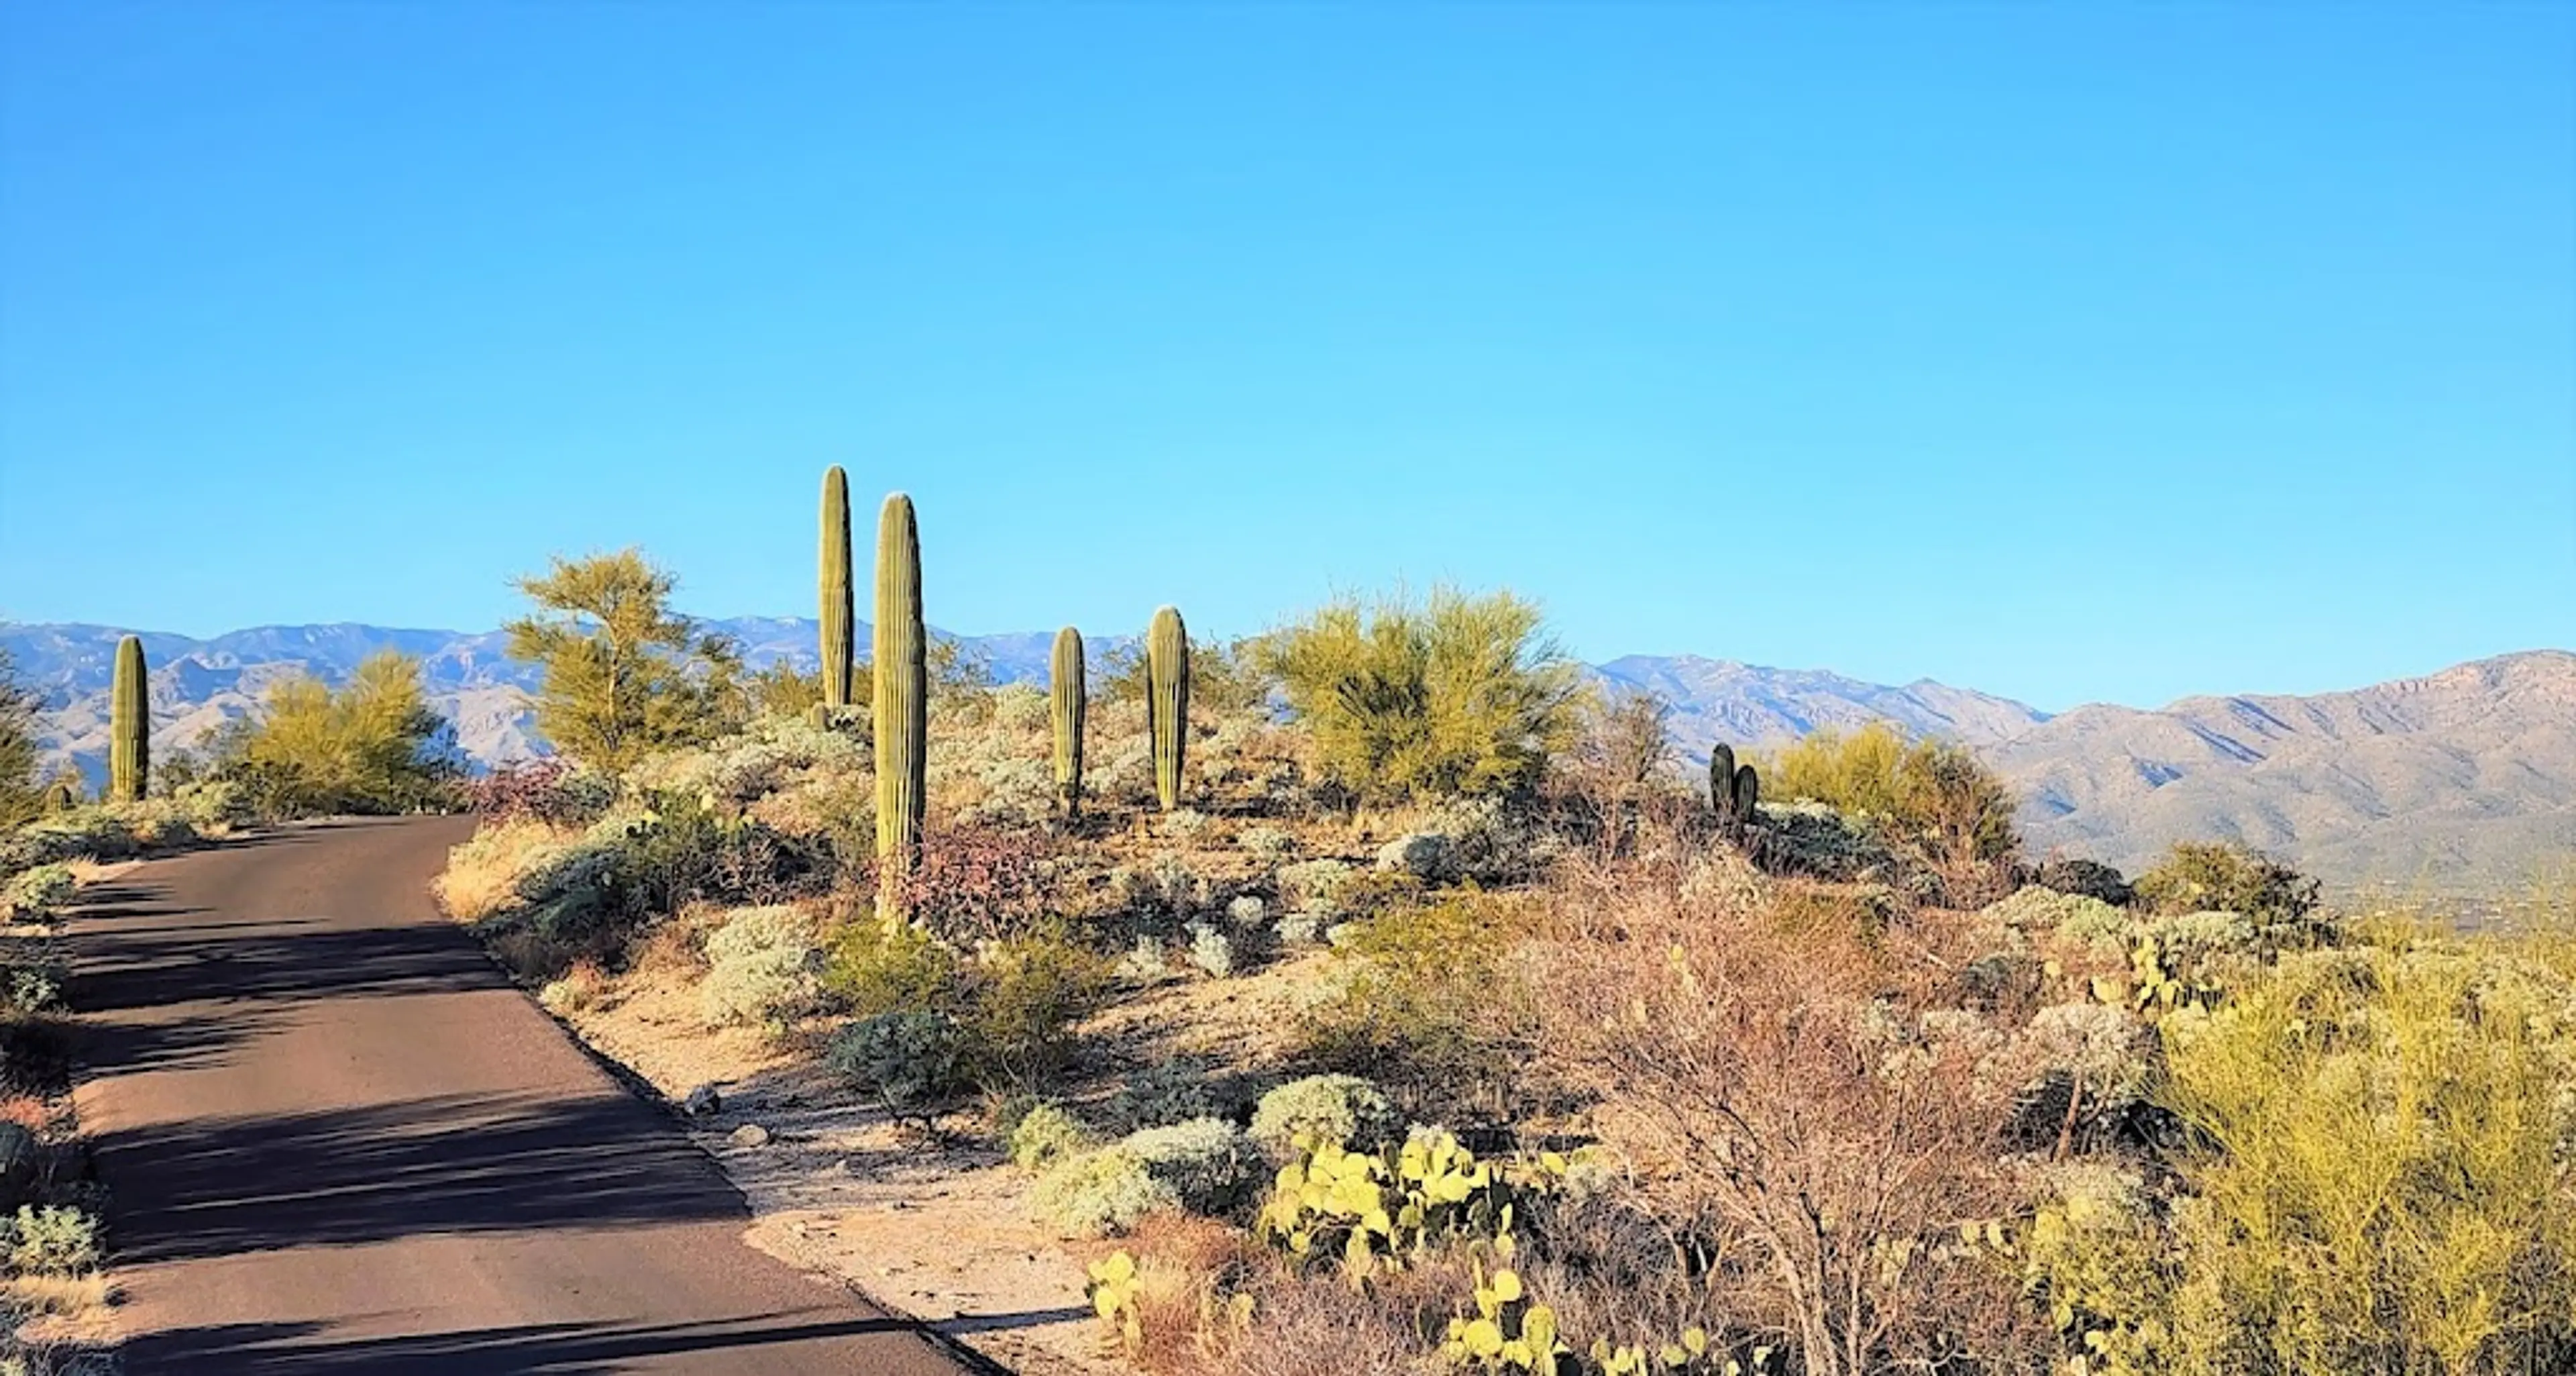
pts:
[936, 1228]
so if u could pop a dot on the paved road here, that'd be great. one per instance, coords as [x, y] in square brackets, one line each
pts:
[338, 1141]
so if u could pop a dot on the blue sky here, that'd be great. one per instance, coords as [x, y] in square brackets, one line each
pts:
[2082, 352]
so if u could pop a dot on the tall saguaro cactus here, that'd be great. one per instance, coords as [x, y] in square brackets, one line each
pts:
[1748, 793]
[902, 700]
[1065, 694]
[1167, 701]
[129, 750]
[838, 613]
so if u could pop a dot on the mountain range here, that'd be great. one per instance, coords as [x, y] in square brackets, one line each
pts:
[2463, 780]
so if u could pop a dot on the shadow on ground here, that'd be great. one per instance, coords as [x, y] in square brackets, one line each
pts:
[551, 1349]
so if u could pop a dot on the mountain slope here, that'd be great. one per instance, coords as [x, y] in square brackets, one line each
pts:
[2467, 774]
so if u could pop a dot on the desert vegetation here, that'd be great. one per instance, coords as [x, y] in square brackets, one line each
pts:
[1526, 1049]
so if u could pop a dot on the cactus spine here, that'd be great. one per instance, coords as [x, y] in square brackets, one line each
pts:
[129, 751]
[838, 613]
[1065, 694]
[1721, 780]
[902, 700]
[1167, 701]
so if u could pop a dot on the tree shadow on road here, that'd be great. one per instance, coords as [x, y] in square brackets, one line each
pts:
[456, 1164]
[560, 1349]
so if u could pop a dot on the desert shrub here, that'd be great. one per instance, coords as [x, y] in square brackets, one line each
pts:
[371, 745]
[488, 872]
[1212, 949]
[1101, 1192]
[973, 884]
[1046, 1134]
[635, 867]
[1162, 1094]
[2227, 877]
[1428, 856]
[1269, 845]
[1205, 1161]
[29, 988]
[37, 892]
[1315, 886]
[1023, 997]
[1331, 1108]
[1429, 1000]
[22, 799]
[760, 968]
[1456, 695]
[1820, 1135]
[580, 989]
[1247, 911]
[913, 1062]
[877, 967]
[2087, 878]
[2380, 1173]
[97, 831]
[51, 1240]
[1935, 795]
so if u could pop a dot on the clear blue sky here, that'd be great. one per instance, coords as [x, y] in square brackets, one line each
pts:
[2072, 352]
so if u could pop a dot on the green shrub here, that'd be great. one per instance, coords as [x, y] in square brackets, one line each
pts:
[370, 745]
[37, 892]
[1024, 995]
[1427, 998]
[1099, 1193]
[2228, 877]
[878, 967]
[760, 968]
[2377, 1178]
[1046, 1134]
[51, 1240]
[1205, 1161]
[913, 1063]
[1162, 1094]
[30, 989]
[1329, 1108]
[1456, 695]
[1933, 794]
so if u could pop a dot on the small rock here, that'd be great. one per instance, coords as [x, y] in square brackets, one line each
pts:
[750, 1135]
[702, 1101]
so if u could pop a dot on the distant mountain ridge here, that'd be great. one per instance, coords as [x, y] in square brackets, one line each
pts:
[2463, 778]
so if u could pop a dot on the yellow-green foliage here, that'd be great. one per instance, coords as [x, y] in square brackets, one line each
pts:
[1428, 996]
[624, 675]
[21, 799]
[2381, 1179]
[1459, 694]
[1933, 792]
[1013, 1002]
[363, 747]
[1387, 1208]
[879, 967]
[2197, 876]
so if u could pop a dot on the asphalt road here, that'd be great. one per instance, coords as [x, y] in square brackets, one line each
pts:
[337, 1140]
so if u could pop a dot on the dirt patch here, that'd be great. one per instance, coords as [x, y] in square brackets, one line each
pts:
[934, 1226]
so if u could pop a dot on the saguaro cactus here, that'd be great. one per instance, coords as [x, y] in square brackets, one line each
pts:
[838, 647]
[1748, 792]
[1721, 780]
[129, 750]
[1167, 701]
[902, 700]
[1065, 694]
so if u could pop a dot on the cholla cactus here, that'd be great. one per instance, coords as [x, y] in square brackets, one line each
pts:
[129, 757]
[1066, 697]
[1167, 701]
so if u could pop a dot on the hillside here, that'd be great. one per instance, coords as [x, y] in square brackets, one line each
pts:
[2464, 778]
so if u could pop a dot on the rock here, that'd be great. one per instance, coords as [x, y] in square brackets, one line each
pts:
[702, 1102]
[1426, 855]
[750, 1135]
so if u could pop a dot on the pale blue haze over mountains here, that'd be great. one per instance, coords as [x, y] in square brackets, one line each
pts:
[2078, 352]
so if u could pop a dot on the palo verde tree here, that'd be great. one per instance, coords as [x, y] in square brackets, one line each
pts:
[370, 745]
[624, 674]
[21, 796]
